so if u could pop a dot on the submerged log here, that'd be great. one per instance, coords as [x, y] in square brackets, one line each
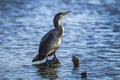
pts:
[76, 61]
[48, 71]
[52, 64]
[84, 74]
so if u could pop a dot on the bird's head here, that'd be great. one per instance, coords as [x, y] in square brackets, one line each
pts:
[60, 15]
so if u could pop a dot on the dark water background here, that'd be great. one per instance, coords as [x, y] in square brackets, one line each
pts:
[92, 33]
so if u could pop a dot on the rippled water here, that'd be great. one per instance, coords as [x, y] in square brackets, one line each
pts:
[92, 33]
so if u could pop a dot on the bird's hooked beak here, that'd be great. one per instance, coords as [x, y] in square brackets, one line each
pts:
[64, 13]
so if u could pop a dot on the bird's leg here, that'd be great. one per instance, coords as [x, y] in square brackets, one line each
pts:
[56, 59]
[47, 61]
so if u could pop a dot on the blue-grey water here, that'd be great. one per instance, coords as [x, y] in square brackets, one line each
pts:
[91, 32]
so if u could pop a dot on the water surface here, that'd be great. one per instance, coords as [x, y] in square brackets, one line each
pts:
[92, 33]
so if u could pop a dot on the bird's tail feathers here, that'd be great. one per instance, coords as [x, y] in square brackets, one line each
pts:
[38, 58]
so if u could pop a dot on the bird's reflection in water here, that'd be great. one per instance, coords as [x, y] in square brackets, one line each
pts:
[48, 72]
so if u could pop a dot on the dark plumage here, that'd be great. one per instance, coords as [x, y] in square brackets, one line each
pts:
[52, 40]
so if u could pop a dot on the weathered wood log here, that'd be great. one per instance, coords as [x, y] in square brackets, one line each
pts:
[84, 74]
[48, 71]
[52, 63]
[75, 61]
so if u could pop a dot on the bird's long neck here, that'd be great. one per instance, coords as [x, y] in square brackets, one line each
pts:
[58, 26]
[57, 23]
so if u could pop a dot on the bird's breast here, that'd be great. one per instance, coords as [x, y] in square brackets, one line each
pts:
[59, 41]
[57, 36]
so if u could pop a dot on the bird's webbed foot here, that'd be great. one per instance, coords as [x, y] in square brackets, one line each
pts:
[55, 59]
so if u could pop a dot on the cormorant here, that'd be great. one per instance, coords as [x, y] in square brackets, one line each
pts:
[52, 40]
